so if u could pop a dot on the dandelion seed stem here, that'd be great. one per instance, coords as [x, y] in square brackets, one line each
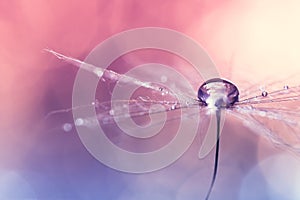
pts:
[218, 115]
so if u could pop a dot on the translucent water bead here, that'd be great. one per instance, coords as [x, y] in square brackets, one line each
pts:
[218, 93]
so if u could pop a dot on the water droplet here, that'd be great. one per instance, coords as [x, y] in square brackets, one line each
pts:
[173, 107]
[98, 72]
[95, 103]
[264, 93]
[163, 91]
[79, 122]
[218, 92]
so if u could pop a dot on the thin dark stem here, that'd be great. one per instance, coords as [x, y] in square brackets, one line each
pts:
[218, 115]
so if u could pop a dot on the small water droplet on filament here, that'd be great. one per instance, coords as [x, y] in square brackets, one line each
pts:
[79, 122]
[264, 93]
[173, 107]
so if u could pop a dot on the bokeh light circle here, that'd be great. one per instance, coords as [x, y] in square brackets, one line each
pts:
[277, 177]
[85, 85]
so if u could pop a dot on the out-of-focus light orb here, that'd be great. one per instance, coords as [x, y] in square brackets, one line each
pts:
[14, 186]
[276, 178]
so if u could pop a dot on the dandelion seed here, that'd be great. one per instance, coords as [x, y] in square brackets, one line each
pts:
[215, 96]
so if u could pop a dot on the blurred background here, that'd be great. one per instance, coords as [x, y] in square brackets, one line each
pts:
[250, 41]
